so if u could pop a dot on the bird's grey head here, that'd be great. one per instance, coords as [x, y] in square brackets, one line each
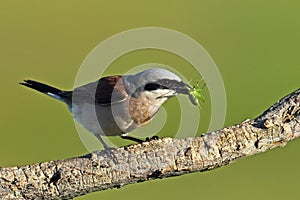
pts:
[157, 82]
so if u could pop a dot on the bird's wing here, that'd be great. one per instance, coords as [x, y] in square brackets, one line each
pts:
[106, 90]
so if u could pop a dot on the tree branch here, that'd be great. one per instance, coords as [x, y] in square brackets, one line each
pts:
[155, 159]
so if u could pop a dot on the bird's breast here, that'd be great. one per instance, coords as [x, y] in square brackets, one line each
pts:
[142, 110]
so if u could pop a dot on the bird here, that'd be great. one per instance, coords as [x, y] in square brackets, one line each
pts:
[118, 104]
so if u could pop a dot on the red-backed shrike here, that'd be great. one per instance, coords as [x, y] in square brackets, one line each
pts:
[116, 105]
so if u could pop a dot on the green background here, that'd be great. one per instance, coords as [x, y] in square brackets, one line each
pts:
[254, 43]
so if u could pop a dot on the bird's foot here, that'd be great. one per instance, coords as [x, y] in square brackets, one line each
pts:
[155, 137]
[109, 152]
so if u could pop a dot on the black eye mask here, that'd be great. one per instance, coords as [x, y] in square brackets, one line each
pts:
[154, 86]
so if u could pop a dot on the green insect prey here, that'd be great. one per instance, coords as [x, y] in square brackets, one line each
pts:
[196, 93]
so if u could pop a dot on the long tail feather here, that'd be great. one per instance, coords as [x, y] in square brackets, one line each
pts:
[48, 90]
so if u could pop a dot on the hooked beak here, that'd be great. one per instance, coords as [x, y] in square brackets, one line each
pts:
[183, 88]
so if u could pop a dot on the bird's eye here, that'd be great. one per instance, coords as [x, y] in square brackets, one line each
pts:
[166, 82]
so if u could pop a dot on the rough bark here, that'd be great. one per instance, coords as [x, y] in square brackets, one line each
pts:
[66, 179]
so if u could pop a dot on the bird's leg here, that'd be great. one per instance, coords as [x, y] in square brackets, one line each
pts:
[105, 146]
[127, 137]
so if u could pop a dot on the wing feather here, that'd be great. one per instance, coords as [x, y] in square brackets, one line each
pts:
[106, 90]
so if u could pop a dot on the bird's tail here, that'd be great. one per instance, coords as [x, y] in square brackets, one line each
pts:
[55, 93]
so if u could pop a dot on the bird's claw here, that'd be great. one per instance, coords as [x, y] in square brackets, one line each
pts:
[109, 152]
[155, 137]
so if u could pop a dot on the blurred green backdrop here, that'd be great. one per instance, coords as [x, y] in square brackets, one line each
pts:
[254, 43]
